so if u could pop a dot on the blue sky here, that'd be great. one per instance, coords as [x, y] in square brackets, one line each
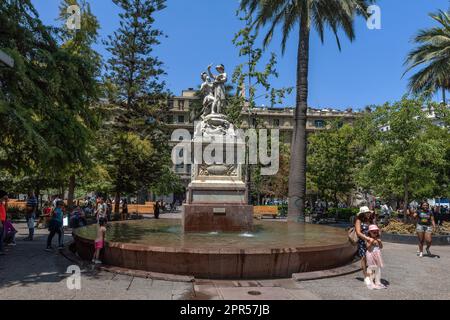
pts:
[367, 71]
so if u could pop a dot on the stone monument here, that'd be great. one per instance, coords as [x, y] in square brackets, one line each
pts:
[217, 194]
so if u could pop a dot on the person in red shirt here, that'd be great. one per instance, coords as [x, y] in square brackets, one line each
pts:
[3, 208]
[46, 215]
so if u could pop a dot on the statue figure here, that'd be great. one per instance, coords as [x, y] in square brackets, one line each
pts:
[219, 88]
[207, 89]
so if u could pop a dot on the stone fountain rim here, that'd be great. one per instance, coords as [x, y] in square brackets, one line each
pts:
[222, 251]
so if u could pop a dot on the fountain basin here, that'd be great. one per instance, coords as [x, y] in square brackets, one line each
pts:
[271, 250]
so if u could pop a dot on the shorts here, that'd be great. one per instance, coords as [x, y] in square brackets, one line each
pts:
[421, 228]
[99, 244]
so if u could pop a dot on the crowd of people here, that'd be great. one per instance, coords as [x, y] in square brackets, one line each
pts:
[55, 216]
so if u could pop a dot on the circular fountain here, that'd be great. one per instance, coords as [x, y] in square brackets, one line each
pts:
[271, 250]
[217, 237]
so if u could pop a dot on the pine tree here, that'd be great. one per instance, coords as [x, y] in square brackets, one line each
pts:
[138, 100]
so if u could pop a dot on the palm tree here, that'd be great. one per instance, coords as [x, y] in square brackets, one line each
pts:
[304, 15]
[434, 53]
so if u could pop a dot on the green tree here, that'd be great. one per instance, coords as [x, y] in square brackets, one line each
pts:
[44, 98]
[405, 151]
[433, 53]
[134, 139]
[303, 14]
[332, 157]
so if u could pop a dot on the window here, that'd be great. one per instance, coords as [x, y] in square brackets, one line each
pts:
[181, 104]
[319, 123]
[180, 119]
[171, 104]
[179, 168]
[276, 123]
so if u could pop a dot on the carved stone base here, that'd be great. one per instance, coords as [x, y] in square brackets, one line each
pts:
[217, 217]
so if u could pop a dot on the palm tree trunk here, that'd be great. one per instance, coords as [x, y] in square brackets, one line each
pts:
[443, 96]
[297, 173]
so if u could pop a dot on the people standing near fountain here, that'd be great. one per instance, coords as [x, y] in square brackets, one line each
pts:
[364, 219]
[56, 226]
[109, 208]
[9, 233]
[425, 226]
[99, 240]
[374, 259]
[101, 210]
[31, 210]
[156, 209]
[46, 215]
[124, 209]
[3, 209]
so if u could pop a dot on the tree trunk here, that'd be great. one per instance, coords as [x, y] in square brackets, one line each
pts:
[405, 199]
[117, 203]
[443, 96]
[297, 172]
[71, 193]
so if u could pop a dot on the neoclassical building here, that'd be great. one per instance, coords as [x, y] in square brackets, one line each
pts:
[181, 114]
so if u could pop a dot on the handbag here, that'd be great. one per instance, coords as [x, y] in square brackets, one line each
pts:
[352, 236]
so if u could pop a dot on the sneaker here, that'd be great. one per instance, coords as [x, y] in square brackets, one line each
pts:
[421, 254]
[418, 252]
[429, 252]
[371, 286]
[97, 262]
[380, 286]
[60, 247]
[49, 249]
[367, 281]
[12, 244]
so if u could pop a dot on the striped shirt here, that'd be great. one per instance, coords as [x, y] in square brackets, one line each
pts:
[32, 202]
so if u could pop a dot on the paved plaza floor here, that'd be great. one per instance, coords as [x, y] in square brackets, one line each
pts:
[28, 272]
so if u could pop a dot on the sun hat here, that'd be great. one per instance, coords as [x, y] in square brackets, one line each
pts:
[364, 209]
[373, 227]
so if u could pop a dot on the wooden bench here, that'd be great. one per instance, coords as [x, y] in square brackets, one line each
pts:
[262, 211]
[146, 208]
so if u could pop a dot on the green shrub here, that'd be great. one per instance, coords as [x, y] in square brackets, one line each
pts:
[342, 213]
[16, 213]
[283, 210]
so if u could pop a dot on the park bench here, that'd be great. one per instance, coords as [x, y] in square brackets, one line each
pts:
[263, 211]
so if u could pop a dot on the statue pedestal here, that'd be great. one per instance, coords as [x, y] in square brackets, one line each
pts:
[217, 205]
[217, 195]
